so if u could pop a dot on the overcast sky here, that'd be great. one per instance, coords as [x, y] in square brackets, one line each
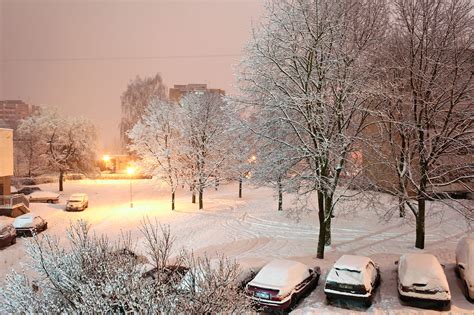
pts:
[79, 55]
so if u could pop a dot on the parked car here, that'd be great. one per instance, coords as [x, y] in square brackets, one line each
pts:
[422, 282]
[28, 190]
[29, 223]
[353, 277]
[44, 196]
[7, 235]
[465, 265]
[77, 202]
[281, 283]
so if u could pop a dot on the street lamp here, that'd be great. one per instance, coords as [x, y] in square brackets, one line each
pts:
[130, 171]
[106, 159]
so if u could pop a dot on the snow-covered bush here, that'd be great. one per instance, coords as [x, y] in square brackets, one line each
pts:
[94, 274]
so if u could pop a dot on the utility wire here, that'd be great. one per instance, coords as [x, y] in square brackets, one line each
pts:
[79, 59]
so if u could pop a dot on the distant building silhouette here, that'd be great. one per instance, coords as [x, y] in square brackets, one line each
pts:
[12, 111]
[178, 91]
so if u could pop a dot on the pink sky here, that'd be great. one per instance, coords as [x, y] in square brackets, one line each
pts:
[79, 55]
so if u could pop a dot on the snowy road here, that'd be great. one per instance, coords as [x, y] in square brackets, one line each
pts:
[252, 231]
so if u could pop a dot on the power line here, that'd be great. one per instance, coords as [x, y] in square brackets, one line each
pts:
[79, 59]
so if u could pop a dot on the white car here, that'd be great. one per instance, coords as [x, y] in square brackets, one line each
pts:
[422, 282]
[280, 283]
[77, 202]
[29, 224]
[44, 196]
[352, 277]
[465, 264]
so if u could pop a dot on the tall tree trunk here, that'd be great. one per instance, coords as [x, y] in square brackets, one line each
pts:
[420, 219]
[328, 215]
[420, 225]
[61, 178]
[401, 207]
[201, 202]
[172, 200]
[193, 191]
[322, 228]
[240, 187]
[280, 195]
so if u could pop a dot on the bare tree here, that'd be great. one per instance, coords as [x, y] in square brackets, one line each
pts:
[205, 130]
[29, 142]
[308, 70]
[70, 146]
[156, 140]
[136, 98]
[428, 119]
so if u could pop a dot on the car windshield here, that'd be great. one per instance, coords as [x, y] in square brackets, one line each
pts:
[75, 200]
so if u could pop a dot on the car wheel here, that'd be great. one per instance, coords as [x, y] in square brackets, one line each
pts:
[13, 241]
[45, 226]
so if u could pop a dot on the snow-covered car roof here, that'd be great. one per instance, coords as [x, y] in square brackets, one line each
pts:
[281, 273]
[423, 269]
[350, 269]
[6, 220]
[352, 262]
[24, 220]
[465, 255]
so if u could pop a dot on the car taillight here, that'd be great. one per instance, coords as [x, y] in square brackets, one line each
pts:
[280, 297]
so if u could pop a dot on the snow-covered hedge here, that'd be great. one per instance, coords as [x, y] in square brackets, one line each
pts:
[93, 274]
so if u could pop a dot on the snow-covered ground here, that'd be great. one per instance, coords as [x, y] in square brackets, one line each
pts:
[253, 232]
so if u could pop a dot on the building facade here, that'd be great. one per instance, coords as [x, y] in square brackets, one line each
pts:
[178, 91]
[12, 111]
[6, 160]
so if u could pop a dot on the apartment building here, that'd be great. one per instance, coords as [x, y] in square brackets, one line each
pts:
[12, 111]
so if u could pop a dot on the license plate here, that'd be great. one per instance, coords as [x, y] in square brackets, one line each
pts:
[262, 295]
[345, 286]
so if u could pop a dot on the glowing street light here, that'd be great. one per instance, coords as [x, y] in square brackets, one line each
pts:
[106, 158]
[131, 171]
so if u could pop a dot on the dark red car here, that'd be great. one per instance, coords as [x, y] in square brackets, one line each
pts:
[281, 283]
[7, 235]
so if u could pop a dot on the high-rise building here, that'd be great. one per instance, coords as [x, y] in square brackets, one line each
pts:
[12, 111]
[180, 90]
